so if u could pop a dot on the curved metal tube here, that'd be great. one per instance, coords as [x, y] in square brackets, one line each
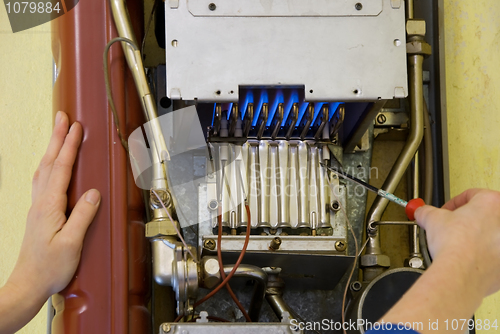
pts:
[428, 181]
[408, 152]
[134, 61]
[259, 292]
[279, 306]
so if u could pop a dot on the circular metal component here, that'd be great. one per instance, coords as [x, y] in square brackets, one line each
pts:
[358, 6]
[340, 246]
[211, 273]
[212, 6]
[175, 43]
[209, 244]
[275, 243]
[165, 328]
[382, 293]
[213, 205]
[381, 119]
[335, 206]
[416, 262]
[356, 286]
[397, 42]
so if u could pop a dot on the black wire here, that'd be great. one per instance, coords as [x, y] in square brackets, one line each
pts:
[153, 10]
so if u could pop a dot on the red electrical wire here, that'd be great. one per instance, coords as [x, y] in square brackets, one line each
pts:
[236, 265]
[221, 266]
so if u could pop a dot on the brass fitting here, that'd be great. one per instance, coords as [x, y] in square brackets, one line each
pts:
[415, 28]
[418, 47]
[375, 260]
[160, 225]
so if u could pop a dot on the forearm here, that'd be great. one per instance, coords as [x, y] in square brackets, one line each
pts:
[18, 306]
[450, 289]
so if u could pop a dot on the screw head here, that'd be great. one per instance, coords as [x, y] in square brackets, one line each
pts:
[358, 6]
[381, 119]
[213, 205]
[335, 206]
[340, 246]
[209, 244]
[165, 328]
[212, 6]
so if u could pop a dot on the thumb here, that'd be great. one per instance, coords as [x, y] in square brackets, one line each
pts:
[82, 215]
[425, 214]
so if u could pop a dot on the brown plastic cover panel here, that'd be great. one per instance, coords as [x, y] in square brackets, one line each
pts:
[110, 290]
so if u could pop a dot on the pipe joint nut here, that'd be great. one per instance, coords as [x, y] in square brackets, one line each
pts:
[418, 47]
[375, 260]
[415, 28]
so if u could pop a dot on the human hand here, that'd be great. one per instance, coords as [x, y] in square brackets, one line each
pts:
[467, 230]
[52, 244]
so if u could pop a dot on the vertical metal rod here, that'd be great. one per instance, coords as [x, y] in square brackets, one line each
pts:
[409, 9]
[415, 230]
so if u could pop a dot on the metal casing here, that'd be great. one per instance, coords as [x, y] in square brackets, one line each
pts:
[110, 289]
[336, 50]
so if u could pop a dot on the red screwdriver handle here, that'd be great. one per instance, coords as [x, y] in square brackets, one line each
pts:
[412, 206]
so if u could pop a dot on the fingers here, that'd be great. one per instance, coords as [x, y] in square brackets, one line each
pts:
[426, 214]
[81, 217]
[42, 174]
[461, 199]
[63, 165]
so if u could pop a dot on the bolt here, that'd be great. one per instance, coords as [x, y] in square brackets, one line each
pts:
[340, 246]
[335, 206]
[213, 205]
[275, 244]
[209, 244]
[356, 286]
[165, 328]
[381, 119]
[212, 6]
[358, 6]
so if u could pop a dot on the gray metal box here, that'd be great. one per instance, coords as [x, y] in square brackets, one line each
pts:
[338, 50]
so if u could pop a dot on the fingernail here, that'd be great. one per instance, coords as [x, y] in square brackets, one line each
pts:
[58, 117]
[72, 126]
[93, 196]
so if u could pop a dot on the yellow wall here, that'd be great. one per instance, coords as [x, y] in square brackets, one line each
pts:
[25, 127]
[472, 36]
[472, 42]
